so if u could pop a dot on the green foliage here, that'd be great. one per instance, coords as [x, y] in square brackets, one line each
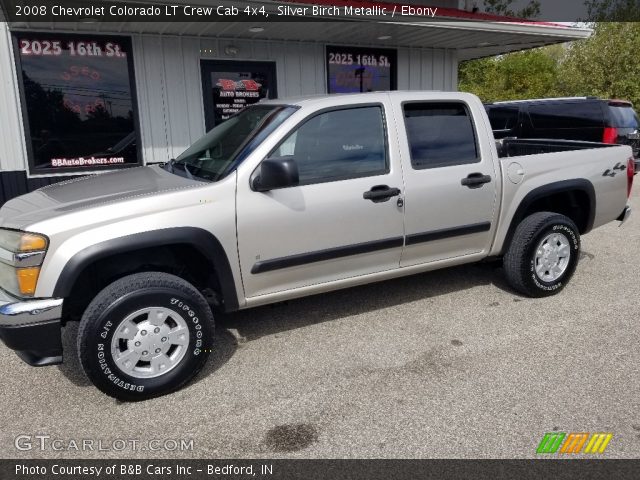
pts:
[513, 76]
[503, 7]
[604, 65]
[613, 10]
[528, 74]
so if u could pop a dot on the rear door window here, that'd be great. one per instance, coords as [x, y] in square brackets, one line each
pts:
[440, 134]
[566, 115]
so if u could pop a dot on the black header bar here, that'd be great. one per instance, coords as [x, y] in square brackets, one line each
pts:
[34, 11]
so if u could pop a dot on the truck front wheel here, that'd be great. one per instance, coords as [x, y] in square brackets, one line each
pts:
[543, 254]
[145, 335]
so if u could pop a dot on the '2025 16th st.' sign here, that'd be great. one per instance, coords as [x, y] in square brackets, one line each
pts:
[46, 47]
[78, 100]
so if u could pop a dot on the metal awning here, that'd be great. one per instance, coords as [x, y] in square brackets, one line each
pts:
[471, 39]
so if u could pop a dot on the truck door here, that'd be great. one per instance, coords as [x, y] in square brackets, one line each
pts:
[342, 220]
[450, 182]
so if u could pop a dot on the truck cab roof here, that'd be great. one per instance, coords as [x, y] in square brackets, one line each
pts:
[339, 98]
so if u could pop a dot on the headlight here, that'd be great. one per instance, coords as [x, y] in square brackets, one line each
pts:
[21, 255]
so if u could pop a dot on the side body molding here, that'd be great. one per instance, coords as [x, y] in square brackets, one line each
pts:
[203, 241]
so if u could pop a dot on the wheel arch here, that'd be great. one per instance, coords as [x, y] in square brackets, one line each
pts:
[547, 198]
[202, 241]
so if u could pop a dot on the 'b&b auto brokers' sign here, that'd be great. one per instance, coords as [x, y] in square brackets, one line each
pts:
[231, 96]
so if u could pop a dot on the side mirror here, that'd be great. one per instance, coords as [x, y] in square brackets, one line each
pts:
[276, 173]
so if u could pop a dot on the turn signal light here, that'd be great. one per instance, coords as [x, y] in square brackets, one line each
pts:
[29, 242]
[27, 279]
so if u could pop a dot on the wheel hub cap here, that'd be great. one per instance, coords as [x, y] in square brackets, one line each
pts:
[150, 342]
[552, 257]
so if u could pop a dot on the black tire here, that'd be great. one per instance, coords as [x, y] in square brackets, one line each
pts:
[520, 260]
[104, 316]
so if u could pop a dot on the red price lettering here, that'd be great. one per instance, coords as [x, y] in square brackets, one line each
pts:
[227, 84]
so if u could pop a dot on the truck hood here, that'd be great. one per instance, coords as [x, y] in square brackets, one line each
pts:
[86, 192]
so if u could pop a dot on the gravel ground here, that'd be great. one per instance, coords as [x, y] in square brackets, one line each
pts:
[445, 364]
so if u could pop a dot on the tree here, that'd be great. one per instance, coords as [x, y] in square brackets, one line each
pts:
[604, 65]
[47, 109]
[504, 7]
[529, 74]
[613, 10]
[486, 76]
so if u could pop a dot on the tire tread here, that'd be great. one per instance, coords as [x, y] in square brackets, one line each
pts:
[515, 259]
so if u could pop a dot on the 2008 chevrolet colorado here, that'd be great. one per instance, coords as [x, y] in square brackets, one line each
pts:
[285, 199]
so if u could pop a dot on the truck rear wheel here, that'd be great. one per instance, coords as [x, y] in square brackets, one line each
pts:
[543, 254]
[145, 335]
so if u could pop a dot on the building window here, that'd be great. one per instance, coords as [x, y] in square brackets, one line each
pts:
[78, 101]
[353, 69]
[440, 134]
[228, 86]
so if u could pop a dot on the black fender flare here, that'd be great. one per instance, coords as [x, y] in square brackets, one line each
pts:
[203, 241]
[579, 184]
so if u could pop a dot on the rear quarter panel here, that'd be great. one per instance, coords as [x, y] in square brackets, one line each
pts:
[548, 168]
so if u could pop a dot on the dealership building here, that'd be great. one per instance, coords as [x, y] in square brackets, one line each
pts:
[86, 96]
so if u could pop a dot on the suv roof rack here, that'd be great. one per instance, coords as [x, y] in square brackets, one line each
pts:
[544, 100]
[614, 102]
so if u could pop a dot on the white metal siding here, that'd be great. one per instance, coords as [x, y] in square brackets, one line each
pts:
[169, 94]
[427, 69]
[12, 144]
[169, 82]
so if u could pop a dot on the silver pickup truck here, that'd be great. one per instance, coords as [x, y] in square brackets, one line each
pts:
[289, 198]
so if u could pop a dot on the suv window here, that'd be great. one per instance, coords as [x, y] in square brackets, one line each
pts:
[566, 115]
[503, 118]
[440, 134]
[623, 117]
[338, 145]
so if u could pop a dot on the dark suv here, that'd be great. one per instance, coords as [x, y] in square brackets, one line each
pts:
[577, 118]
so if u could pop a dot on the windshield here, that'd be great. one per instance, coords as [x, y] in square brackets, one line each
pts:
[624, 117]
[213, 156]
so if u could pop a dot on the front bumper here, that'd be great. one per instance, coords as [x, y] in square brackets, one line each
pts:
[32, 328]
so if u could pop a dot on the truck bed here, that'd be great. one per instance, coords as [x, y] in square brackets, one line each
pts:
[516, 147]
